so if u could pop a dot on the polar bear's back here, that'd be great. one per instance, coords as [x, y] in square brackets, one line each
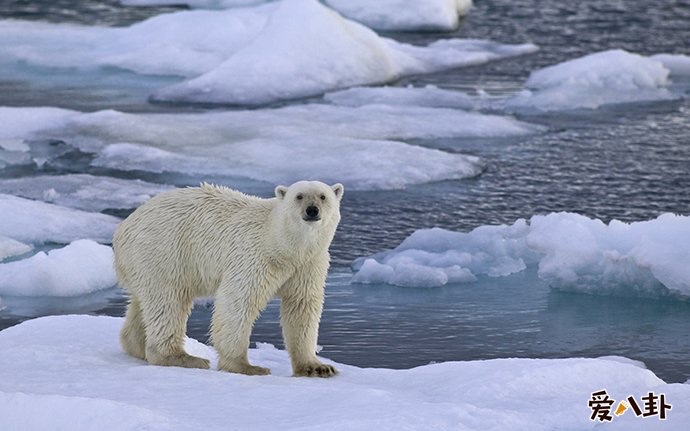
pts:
[190, 232]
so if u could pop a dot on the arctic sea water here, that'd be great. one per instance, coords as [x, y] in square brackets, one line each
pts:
[629, 162]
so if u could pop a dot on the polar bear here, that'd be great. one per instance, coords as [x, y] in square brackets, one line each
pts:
[243, 250]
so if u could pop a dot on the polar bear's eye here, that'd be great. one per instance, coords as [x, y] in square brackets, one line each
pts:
[299, 197]
[323, 197]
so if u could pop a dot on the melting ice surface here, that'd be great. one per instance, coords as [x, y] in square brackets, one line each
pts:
[85, 380]
[573, 253]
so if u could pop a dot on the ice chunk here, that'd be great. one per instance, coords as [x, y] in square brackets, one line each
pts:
[306, 49]
[82, 191]
[10, 247]
[404, 15]
[573, 252]
[92, 384]
[200, 4]
[81, 267]
[39, 222]
[607, 77]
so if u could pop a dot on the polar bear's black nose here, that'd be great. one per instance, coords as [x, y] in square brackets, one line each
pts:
[312, 212]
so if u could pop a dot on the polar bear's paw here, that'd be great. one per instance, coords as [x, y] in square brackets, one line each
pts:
[179, 360]
[315, 370]
[243, 368]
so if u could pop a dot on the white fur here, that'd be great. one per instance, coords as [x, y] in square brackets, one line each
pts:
[243, 250]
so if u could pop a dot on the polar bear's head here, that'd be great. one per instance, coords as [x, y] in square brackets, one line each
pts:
[310, 204]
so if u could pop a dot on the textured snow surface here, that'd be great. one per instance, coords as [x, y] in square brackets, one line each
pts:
[69, 373]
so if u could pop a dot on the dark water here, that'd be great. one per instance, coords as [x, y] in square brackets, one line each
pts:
[630, 162]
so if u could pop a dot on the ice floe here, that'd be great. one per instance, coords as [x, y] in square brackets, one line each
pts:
[35, 222]
[79, 268]
[83, 191]
[306, 49]
[602, 78]
[573, 253]
[360, 146]
[253, 55]
[81, 379]
[428, 96]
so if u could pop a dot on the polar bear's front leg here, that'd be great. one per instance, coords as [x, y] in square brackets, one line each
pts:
[300, 313]
[236, 308]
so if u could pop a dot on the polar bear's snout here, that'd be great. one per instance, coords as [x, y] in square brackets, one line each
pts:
[312, 213]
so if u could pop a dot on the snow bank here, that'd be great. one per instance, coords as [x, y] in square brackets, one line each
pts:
[359, 146]
[83, 191]
[81, 267]
[39, 222]
[404, 15]
[573, 253]
[72, 366]
[603, 78]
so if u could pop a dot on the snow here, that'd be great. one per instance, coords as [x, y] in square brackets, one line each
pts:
[404, 15]
[81, 267]
[573, 253]
[83, 191]
[37, 222]
[361, 146]
[200, 4]
[602, 78]
[68, 372]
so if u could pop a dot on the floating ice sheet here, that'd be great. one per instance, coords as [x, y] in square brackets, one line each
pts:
[603, 78]
[10, 247]
[429, 96]
[82, 380]
[82, 267]
[83, 191]
[573, 253]
[37, 222]
[360, 146]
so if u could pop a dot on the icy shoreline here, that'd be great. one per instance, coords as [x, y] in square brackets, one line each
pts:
[69, 373]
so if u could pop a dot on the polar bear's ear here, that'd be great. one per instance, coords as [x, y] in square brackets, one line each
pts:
[338, 189]
[280, 192]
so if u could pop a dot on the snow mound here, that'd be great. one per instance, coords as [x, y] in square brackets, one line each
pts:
[39, 222]
[573, 253]
[306, 49]
[603, 78]
[404, 15]
[81, 267]
[80, 364]
[83, 191]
